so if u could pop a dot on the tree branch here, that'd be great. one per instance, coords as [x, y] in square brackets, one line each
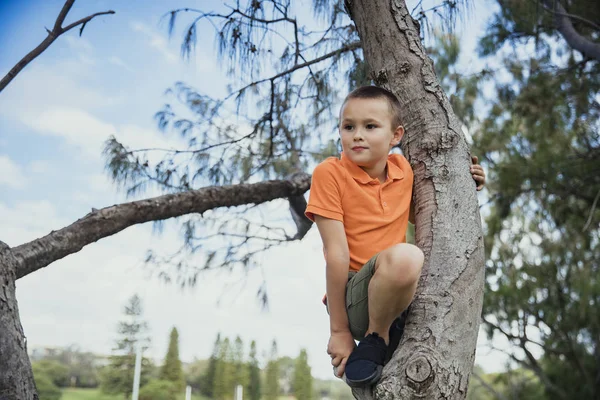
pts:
[590, 217]
[106, 222]
[572, 16]
[567, 30]
[52, 36]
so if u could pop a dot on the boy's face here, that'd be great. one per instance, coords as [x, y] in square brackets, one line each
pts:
[366, 131]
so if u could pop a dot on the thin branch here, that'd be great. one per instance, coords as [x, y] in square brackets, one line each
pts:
[348, 47]
[84, 21]
[590, 217]
[106, 222]
[52, 36]
[531, 363]
[565, 27]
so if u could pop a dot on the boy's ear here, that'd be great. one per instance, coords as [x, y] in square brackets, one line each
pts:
[398, 133]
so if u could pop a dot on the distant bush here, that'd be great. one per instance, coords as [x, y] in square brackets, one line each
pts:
[46, 389]
[58, 373]
[158, 390]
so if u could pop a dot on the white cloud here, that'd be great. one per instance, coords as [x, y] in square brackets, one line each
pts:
[88, 133]
[120, 63]
[28, 220]
[40, 167]
[11, 174]
[39, 86]
[156, 40]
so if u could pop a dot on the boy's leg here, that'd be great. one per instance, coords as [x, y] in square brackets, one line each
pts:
[382, 289]
[375, 297]
[393, 286]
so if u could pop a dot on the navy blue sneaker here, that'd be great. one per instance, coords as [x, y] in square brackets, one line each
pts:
[365, 364]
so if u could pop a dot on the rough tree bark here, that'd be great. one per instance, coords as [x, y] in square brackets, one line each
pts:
[16, 377]
[435, 357]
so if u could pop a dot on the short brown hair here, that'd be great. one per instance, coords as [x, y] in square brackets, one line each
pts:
[375, 92]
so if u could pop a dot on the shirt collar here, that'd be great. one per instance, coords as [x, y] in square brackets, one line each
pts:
[394, 172]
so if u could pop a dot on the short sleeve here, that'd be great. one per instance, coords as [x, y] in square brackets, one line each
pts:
[325, 197]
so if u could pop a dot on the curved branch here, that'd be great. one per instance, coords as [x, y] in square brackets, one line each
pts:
[52, 36]
[567, 30]
[106, 222]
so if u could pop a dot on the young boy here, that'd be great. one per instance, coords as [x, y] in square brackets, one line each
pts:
[361, 204]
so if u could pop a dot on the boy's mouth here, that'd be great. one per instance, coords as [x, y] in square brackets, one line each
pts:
[359, 148]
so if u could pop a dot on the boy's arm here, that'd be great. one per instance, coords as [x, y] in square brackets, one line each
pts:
[337, 261]
[337, 258]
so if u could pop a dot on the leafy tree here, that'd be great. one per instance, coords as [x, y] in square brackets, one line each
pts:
[307, 76]
[272, 375]
[303, 381]
[254, 385]
[223, 386]
[540, 139]
[239, 366]
[171, 369]
[117, 377]
[159, 390]
[207, 380]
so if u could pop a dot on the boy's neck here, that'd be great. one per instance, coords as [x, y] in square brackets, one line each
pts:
[379, 171]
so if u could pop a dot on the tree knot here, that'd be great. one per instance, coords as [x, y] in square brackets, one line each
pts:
[420, 373]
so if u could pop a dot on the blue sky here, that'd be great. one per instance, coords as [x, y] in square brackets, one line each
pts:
[54, 118]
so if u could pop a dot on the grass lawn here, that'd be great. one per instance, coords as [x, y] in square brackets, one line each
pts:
[88, 394]
[95, 394]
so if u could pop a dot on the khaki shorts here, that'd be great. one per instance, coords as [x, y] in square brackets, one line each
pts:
[357, 298]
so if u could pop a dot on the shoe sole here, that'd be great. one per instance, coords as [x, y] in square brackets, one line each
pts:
[370, 381]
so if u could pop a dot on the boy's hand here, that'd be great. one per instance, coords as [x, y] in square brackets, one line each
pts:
[341, 344]
[478, 173]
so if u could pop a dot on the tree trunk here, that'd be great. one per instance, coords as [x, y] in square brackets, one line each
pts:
[16, 377]
[435, 358]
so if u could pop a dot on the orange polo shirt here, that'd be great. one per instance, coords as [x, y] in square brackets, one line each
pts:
[374, 214]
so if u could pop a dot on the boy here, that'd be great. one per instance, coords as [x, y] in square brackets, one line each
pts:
[361, 204]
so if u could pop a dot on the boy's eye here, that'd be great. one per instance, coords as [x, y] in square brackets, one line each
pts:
[348, 127]
[371, 126]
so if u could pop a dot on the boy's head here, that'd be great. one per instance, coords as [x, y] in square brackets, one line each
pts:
[375, 92]
[370, 126]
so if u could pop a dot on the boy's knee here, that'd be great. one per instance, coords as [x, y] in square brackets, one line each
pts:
[401, 263]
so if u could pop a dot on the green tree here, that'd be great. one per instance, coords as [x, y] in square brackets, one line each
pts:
[171, 369]
[223, 386]
[159, 390]
[254, 385]
[117, 377]
[540, 139]
[239, 366]
[272, 375]
[207, 379]
[303, 380]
